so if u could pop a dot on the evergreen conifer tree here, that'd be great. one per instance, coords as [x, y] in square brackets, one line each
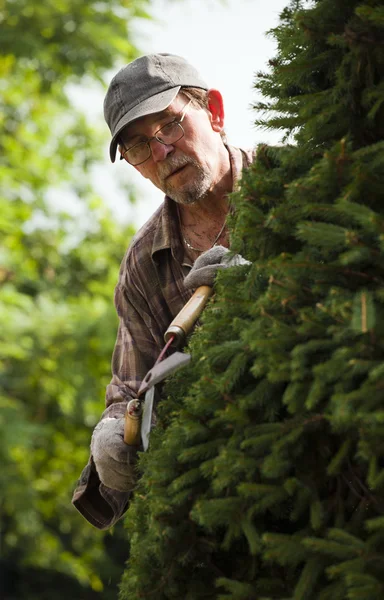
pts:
[265, 476]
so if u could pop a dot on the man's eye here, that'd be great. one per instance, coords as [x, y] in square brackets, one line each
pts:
[136, 150]
[169, 128]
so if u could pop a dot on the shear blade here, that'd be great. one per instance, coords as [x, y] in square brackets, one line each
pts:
[146, 419]
[163, 369]
[155, 375]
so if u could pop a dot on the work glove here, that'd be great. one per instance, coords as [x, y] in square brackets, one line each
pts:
[114, 460]
[206, 266]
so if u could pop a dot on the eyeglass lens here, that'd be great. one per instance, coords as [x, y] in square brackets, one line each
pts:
[168, 134]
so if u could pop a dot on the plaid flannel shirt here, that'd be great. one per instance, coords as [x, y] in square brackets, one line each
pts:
[149, 294]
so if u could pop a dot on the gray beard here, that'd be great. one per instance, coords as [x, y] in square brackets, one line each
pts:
[196, 189]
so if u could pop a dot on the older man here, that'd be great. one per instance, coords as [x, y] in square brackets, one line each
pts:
[168, 125]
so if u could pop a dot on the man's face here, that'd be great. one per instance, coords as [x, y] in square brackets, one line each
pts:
[188, 169]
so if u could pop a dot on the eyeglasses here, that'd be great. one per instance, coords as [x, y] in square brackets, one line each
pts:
[167, 134]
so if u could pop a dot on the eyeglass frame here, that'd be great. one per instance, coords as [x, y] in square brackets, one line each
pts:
[154, 137]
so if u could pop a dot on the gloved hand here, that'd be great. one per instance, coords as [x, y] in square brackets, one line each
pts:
[206, 266]
[114, 460]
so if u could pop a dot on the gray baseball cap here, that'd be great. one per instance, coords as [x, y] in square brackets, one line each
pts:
[146, 86]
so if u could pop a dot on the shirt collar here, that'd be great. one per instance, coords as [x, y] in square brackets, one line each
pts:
[167, 232]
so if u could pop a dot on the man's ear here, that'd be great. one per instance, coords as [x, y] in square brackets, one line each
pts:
[216, 110]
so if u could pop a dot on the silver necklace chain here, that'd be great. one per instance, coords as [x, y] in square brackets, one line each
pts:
[189, 245]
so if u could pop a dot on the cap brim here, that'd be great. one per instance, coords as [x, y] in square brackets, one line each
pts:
[150, 106]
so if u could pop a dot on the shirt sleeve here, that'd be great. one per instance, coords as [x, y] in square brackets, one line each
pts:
[138, 344]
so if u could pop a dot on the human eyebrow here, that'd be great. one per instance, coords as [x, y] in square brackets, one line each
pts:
[133, 139]
[167, 116]
[168, 113]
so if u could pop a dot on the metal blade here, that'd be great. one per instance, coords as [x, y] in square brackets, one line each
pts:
[158, 373]
[146, 419]
[163, 369]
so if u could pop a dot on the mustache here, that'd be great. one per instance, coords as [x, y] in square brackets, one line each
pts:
[173, 164]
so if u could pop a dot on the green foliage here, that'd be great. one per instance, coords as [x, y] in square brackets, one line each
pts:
[265, 475]
[58, 268]
[64, 39]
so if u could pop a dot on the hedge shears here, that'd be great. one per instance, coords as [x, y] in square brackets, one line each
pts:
[138, 416]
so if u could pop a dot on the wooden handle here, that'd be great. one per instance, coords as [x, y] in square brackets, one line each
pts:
[132, 424]
[187, 317]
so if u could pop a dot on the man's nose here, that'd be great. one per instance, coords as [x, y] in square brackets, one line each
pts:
[160, 151]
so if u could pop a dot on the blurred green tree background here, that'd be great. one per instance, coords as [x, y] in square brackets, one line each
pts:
[57, 272]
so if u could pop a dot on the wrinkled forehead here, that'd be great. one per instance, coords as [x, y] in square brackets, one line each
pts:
[143, 124]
